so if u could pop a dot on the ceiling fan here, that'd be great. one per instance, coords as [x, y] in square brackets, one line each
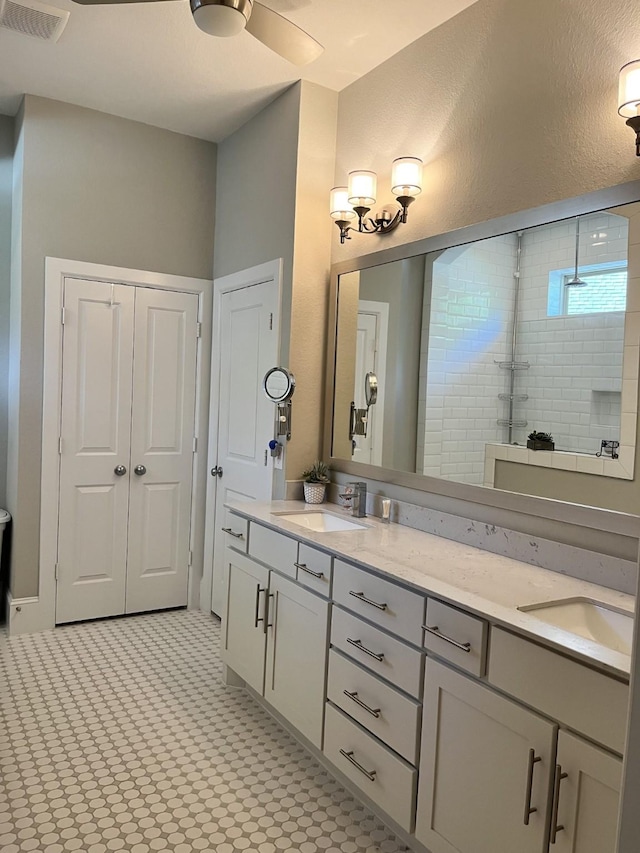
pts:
[229, 17]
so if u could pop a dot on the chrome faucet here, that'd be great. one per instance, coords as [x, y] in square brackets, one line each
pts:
[356, 492]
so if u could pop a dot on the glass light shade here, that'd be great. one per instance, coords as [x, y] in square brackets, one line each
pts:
[362, 188]
[629, 89]
[215, 20]
[339, 207]
[406, 176]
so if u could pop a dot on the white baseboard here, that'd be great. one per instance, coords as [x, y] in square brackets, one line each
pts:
[26, 616]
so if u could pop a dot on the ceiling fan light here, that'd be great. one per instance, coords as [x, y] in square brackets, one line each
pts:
[222, 19]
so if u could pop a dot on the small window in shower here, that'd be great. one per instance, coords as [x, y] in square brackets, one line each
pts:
[603, 289]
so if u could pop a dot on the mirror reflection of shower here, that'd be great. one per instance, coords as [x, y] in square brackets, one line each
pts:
[517, 340]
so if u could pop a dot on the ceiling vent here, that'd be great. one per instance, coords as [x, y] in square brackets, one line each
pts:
[33, 19]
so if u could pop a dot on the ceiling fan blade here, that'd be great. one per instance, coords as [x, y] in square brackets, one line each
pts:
[110, 2]
[282, 36]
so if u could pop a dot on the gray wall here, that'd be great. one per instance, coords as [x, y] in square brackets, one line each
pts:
[511, 104]
[97, 188]
[401, 286]
[273, 179]
[6, 181]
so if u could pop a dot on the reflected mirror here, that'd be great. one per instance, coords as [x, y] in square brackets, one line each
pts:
[477, 346]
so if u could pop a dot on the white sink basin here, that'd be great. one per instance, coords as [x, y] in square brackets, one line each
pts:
[320, 522]
[590, 619]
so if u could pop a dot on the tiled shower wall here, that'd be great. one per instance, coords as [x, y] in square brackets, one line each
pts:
[471, 292]
[574, 379]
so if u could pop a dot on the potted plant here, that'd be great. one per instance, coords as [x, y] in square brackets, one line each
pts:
[315, 482]
[540, 441]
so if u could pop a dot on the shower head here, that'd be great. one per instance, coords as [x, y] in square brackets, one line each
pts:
[576, 281]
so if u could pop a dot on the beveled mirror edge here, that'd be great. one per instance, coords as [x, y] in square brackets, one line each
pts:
[558, 511]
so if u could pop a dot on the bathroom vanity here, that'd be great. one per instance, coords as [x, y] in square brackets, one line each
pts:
[403, 661]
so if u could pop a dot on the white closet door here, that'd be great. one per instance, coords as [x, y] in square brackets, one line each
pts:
[162, 445]
[95, 431]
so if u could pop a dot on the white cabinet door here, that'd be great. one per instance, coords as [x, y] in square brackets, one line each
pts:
[297, 656]
[162, 434]
[243, 622]
[96, 427]
[485, 762]
[587, 798]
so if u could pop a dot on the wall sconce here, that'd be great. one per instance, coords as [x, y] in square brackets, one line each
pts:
[357, 199]
[629, 97]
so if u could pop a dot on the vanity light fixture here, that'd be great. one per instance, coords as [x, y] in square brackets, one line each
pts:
[629, 97]
[357, 199]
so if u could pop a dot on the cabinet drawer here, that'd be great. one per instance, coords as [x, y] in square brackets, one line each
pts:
[460, 638]
[581, 698]
[273, 549]
[384, 655]
[235, 531]
[384, 778]
[314, 569]
[390, 715]
[392, 607]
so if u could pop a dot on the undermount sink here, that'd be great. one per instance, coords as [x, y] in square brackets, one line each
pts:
[593, 620]
[320, 522]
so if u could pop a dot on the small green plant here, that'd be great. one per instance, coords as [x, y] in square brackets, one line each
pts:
[318, 473]
[540, 436]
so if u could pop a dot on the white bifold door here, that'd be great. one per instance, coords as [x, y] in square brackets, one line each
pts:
[126, 450]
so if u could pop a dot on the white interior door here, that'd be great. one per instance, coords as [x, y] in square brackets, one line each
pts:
[162, 447]
[96, 425]
[248, 347]
[371, 357]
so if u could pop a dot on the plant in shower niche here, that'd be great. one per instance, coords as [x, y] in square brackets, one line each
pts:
[540, 441]
[315, 482]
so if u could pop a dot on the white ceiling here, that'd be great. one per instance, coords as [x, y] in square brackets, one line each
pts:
[149, 61]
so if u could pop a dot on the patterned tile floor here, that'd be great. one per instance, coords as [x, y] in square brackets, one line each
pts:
[119, 735]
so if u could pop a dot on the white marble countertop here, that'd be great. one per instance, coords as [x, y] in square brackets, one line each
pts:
[480, 581]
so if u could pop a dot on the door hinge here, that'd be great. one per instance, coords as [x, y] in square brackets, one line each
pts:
[195, 444]
[265, 458]
[190, 558]
[62, 316]
[270, 322]
[57, 571]
[198, 330]
[60, 446]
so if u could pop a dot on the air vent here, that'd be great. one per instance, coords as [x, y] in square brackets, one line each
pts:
[33, 19]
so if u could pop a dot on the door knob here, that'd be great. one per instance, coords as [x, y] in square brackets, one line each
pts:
[216, 471]
[139, 470]
[119, 470]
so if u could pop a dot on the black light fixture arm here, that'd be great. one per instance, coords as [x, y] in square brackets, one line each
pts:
[378, 224]
[634, 124]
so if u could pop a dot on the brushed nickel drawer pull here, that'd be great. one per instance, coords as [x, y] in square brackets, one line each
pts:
[259, 589]
[555, 829]
[528, 808]
[231, 533]
[370, 774]
[375, 712]
[266, 623]
[465, 647]
[309, 571]
[362, 597]
[358, 645]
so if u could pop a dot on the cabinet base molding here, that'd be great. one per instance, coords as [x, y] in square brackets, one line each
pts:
[231, 678]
